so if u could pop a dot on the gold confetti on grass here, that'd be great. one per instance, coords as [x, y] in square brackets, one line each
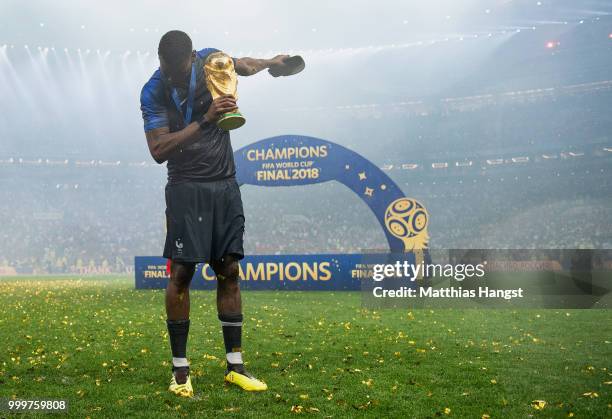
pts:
[538, 404]
[285, 327]
[368, 383]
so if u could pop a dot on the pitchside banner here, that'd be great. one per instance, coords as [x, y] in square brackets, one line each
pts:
[277, 272]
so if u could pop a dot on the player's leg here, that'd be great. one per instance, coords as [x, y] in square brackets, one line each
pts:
[177, 311]
[229, 309]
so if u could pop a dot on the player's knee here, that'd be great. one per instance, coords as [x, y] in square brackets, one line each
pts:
[181, 274]
[227, 269]
[232, 270]
[227, 277]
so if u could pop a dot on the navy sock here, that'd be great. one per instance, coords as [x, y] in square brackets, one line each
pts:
[232, 338]
[178, 330]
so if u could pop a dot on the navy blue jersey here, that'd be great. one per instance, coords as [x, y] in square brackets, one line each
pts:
[209, 158]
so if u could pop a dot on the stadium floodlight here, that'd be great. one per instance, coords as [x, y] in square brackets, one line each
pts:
[441, 165]
[552, 44]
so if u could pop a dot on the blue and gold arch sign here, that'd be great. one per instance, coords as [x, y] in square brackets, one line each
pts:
[290, 160]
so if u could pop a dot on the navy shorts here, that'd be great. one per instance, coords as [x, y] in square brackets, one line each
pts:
[205, 221]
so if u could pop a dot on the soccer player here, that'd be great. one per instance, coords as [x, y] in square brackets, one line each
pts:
[204, 212]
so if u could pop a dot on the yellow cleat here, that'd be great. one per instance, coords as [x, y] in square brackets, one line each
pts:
[182, 390]
[246, 381]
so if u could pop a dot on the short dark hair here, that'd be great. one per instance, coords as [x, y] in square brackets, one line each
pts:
[175, 47]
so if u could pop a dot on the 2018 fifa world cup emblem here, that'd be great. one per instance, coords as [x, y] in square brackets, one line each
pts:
[407, 219]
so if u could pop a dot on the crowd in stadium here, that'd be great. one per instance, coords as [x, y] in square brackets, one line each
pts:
[70, 228]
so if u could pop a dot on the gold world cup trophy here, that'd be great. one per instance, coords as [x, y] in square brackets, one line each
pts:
[221, 79]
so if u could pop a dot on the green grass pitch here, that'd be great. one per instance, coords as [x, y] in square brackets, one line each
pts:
[102, 345]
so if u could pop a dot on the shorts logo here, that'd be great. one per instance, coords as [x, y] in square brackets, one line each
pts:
[179, 246]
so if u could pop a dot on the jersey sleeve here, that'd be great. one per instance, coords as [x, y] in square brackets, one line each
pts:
[203, 53]
[154, 112]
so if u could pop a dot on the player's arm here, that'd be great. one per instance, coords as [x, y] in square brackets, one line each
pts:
[162, 143]
[247, 66]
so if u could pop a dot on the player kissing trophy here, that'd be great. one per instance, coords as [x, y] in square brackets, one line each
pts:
[199, 180]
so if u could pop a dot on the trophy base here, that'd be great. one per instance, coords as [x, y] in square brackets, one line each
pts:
[231, 120]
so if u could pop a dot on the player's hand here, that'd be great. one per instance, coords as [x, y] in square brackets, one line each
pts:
[219, 106]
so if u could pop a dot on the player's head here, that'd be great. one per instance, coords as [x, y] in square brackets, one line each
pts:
[175, 51]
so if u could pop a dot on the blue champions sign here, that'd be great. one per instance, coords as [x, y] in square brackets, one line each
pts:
[294, 160]
[279, 272]
[291, 160]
